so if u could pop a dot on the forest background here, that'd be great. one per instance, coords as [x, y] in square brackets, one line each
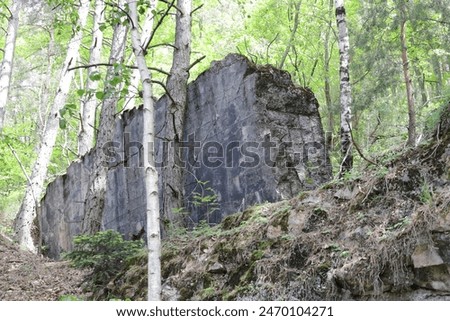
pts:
[299, 36]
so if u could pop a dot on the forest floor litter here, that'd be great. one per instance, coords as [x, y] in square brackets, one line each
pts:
[28, 277]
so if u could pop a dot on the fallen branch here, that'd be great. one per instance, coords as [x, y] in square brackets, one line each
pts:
[359, 150]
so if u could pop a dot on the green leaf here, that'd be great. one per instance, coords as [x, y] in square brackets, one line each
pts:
[95, 76]
[81, 92]
[99, 95]
[62, 123]
[115, 81]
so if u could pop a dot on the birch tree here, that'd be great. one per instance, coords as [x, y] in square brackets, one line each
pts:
[151, 174]
[133, 88]
[346, 94]
[97, 184]
[8, 57]
[24, 223]
[89, 106]
[177, 86]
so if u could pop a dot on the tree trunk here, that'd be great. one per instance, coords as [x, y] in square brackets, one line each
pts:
[327, 86]
[44, 90]
[24, 224]
[95, 198]
[346, 94]
[437, 70]
[89, 107]
[151, 174]
[297, 6]
[408, 82]
[173, 193]
[133, 88]
[8, 57]
[422, 85]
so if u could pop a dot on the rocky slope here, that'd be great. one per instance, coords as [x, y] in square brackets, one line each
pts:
[382, 236]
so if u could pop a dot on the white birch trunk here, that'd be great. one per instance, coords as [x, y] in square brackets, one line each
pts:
[173, 194]
[95, 197]
[151, 175]
[25, 226]
[8, 57]
[89, 107]
[147, 29]
[346, 93]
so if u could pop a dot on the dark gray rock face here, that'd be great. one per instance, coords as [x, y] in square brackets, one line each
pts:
[251, 136]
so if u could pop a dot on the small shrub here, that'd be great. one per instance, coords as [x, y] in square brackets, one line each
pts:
[106, 253]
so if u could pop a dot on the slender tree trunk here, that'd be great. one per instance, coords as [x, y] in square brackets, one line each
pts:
[421, 82]
[151, 174]
[408, 81]
[327, 85]
[133, 88]
[8, 57]
[173, 193]
[95, 198]
[346, 93]
[297, 6]
[437, 70]
[44, 101]
[24, 224]
[89, 107]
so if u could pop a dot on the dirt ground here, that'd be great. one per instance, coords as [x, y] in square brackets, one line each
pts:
[28, 277]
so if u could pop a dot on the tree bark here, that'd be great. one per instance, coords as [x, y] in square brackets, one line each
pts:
[408, 82]
[345, 87]
[8, 57]
[95, 198]
[327, 85]
[89, 106]
[151, 174]
[173, 193]
[297, 6]
[133, 88]
[24, 224]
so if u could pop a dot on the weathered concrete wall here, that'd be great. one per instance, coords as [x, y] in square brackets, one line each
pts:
[251, 136]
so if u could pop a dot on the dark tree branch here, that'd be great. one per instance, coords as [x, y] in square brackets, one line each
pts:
[111, 65]
[124, 11]
[359, 150]
[21, 166]
[269, 45]
[165, 89]
[435, 20]
[171, 4]
[198, 8]
[163, 44]
[196, 62]
[158, 24]
[7, 8]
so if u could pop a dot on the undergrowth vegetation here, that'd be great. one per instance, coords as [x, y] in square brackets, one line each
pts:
[106, 253]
